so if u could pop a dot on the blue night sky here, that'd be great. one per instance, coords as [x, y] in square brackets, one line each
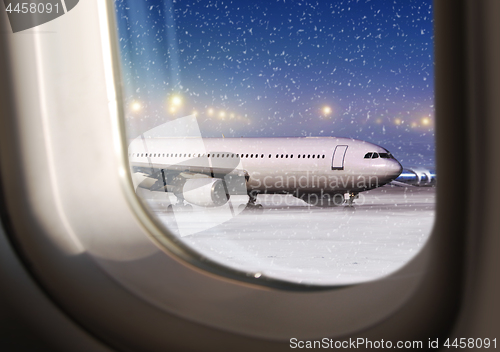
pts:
[361, 69]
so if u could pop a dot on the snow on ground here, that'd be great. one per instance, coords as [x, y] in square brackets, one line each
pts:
[293, 241]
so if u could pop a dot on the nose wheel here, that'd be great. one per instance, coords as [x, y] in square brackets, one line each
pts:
[351, 197]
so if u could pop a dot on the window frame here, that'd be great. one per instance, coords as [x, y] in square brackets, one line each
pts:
[37, 241]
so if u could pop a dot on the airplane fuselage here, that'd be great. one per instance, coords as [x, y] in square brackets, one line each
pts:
[295, 165]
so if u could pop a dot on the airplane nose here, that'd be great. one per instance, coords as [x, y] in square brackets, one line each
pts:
[395, 169]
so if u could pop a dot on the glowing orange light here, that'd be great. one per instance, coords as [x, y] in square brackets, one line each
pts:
[426, 121]
[136, 106]
[176, 100]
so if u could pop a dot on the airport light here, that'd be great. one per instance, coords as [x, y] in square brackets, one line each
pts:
[426, 121]
[222, 115]
[136, 106]
[176, 101]
[327, 110]
[398, 121]
[210, 111]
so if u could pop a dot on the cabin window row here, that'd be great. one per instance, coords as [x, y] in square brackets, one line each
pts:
[218, 155]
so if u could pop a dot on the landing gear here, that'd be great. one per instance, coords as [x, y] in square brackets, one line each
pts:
[252, 202]
[351, 197]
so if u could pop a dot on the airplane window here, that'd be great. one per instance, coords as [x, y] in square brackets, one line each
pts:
[342, 77]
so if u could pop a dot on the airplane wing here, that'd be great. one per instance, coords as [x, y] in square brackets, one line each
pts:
[161, 177]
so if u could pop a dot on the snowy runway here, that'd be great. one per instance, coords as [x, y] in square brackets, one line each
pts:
[291, 240]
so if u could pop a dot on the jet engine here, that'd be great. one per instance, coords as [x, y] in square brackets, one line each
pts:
[205, 192]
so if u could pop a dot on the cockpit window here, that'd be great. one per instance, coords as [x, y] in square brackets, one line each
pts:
[326, 79]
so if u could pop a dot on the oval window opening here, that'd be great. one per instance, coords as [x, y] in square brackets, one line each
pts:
[346, 87]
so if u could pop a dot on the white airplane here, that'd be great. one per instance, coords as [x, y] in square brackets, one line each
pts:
[323, 171]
